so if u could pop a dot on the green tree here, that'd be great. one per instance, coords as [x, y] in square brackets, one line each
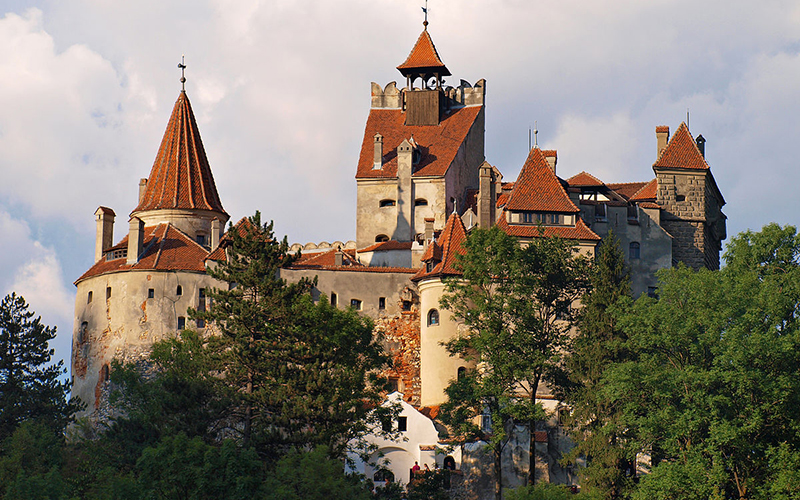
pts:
[30, 463]
[30, 385]
[712, 390]
[300, 374]
[516, 302]
[599, 344]
[313, 476]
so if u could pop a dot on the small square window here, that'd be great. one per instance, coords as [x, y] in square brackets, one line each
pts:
[406, 305]
[201, 239]
[355, 304]
[151, 293]
[382, 303]
[402, 424]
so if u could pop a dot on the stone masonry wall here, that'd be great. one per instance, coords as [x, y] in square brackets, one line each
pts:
[682, 197]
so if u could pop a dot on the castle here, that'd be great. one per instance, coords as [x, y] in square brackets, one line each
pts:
[423, 183]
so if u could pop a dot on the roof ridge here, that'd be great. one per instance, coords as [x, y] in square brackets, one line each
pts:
[423, 55]
[682, 152]
[538, 188]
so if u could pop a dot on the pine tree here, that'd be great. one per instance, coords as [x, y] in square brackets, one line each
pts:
[599, 344]
[302, 374]
[30, 386]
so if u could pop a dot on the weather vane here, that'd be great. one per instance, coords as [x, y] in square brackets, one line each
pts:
[182, 66]
[425, 10]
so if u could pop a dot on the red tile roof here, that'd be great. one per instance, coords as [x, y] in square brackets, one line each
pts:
[166, 249]
[423, 57]
[577, 233]
[647, 192]
[451, 242]
[438, 144]
[626, 189]
[681, 152]
[384, 246]
[649, 204]
[584, 179]
[538, 188]
[181, 177]
[325, 259]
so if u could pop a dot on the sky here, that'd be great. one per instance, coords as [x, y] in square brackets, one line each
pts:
[281, 92]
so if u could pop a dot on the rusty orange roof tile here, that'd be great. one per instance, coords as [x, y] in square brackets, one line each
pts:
[681, 152]
[384, 246]
[647, 192]
[579, 232]
[538, 188]
[585, 179]
[181, 177]
[166, 248]
[438, 144]
[625, 189]
[423, 57]
[451, 242]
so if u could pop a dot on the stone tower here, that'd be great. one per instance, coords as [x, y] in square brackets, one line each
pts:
[138, 291]
[421, 151]
[691, 203]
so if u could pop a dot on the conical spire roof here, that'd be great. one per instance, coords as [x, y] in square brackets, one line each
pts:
[682, 152]
[537, 188]
[445, 250]
[424, 58]
[181, 177]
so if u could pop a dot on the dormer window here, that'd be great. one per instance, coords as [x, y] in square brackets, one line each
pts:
[120, 253]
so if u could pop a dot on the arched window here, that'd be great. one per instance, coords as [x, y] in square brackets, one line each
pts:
[381, 238]
[633, 250]
[462, 372]
[387, 203]
[449, 463]
[384, 475]
[433, 317]
[179, 291]
[420, 202]
[89, 297]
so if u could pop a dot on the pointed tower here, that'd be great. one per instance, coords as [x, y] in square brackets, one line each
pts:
[181, 189]
[422, 148]
[691, 203]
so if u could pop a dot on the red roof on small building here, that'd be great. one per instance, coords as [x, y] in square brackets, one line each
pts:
[423, 57]
[585, 179]
[181, 177]
[537, 188]
[438, 144]
[681, 152]
[451, 242]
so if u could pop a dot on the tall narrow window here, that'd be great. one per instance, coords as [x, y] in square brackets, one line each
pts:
[402, 424]
[334, 299]
[151, 293]
[179, 291]
[108, 292]
[201, 299]
[433, 317]
[633, 250]
[89, 297]
[181, 323]
[600, 212]
[381, 303]
[462, 372]
[104, 374]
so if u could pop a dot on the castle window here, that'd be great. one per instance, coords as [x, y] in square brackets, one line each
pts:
[381, 238]
[394, 384]
[462, 372]
[334, 299]
[429, 266]
[108, 292]
[387, 203]
[82, 332]
[633, 213]
[181, 323]
[420, 202]
[528, 217]
[89, 297]
[402, 424]
[201, 239]
[104, 374]
[179, 291]
[680, 197]
[633, 250]
[406, 305]
[382, 303]
[151, 293]
[355, 304]
[433, 317]
[600, 212]
[201, 300]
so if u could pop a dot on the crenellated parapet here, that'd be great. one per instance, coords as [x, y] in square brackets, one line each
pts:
[386, 98]
[390, 97]
[466, 94]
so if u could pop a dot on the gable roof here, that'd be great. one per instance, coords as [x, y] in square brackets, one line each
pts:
[585, 179]
[438, 144]
[538, 188]
[681, 152]
[647, 192]
[166, 248]
[451, 242]
[181, 177]
[423, 57]
[580, 232]
[626, 189]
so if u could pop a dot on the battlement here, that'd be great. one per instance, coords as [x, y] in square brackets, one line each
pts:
[390, 97]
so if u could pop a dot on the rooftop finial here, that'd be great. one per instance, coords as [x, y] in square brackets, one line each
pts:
[425, 10]
[182, 66]
[535, 136]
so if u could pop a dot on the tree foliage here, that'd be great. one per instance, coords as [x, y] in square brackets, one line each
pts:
[516, 303]
[30, 385]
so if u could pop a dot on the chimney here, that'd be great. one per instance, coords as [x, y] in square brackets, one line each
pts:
[428, 230]
[487, 200]
[142, 188]
[337, 257]
[377, 157]
[215, 230]
[662, 138]
[104, 238]
[551, 155]
[701, 144]
[135, 240]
